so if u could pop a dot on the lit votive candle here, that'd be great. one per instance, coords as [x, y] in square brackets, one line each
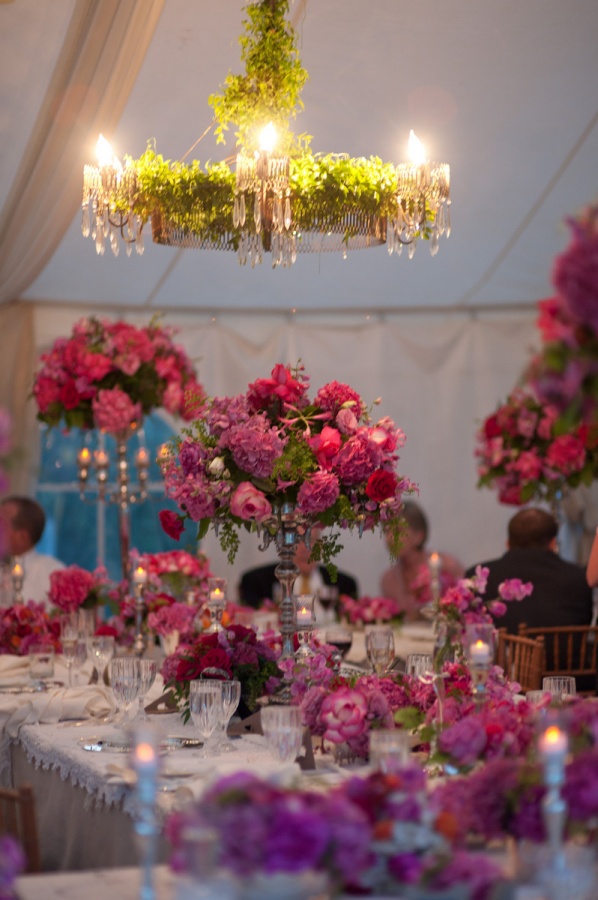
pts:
[145, 759]
[553, 744]
[17, 570]
[142, 457]
[101, 459]
[140, 575]
[304, 616]
[216, 595]
[479, 653]
[434, 562]
[84, 457]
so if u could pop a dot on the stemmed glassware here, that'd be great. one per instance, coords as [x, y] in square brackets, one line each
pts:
[283, 729]
[100, 649]
[69, 634]
[231, 694]
[380, 648]
[341, 638]
[148, 669]
[206, 707]
[125, 681]
[79, 658]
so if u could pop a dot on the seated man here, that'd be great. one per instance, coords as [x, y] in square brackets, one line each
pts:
[560, 596]
[261, 583]
[23, 521]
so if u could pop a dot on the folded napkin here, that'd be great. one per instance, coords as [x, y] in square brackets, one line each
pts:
[91, 701]
[16, 667]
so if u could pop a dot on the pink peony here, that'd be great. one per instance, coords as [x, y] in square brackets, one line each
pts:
[344, 714]
[114, 411]
[325, 446]
[566, 454]
[318, 492]
[70, 587]
[249, 503]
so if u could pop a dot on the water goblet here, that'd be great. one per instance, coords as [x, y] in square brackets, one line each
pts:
[420, 665]
[231, 695]
[560, 687]
[205, 705]
[125, 681]
[390, 749]
[283, 729]
[148, 669]
[69, 633]
[380, 648]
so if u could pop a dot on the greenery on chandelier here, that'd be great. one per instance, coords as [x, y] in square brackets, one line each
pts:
[328, 192]
[270, 90]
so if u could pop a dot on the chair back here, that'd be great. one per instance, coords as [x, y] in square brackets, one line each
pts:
[570, 650]
[522, 659]
[17, 818]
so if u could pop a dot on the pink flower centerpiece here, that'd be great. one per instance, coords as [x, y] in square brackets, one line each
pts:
[247, 455]
[25, 624]
[369, 609]
[73, 588]
[109, 374]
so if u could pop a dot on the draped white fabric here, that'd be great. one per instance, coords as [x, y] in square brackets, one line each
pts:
[438, 376]
[103, 50]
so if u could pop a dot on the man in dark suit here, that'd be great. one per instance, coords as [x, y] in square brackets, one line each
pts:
[258, 584]
[560, 596]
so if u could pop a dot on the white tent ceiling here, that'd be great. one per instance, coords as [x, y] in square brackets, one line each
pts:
[506, 92]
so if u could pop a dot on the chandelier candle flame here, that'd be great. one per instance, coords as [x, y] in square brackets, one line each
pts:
[553, 745]
[281, 199]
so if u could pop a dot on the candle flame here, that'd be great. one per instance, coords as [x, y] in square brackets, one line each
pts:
[552, 735]
[268, 138]
[415, 149]
[145, 753]
[84, 455]
[104, 152]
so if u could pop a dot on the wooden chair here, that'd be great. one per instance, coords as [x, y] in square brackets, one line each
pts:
[570, 650]
[522, 659]
[17, 818]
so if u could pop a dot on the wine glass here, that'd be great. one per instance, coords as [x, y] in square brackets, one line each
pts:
[125, 681]
[100, 649]
[148, 670]
[69, 633]
[420, 665]
[380, 648]
[328, 600]
[231, 694]
[341, 638]
[205, 705]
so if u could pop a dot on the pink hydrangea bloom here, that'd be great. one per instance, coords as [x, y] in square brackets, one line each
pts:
[318, 492]
[114, 411]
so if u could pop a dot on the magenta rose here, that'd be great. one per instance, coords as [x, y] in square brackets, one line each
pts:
[114, 411]
[171, 523]
[381, 485]
[344, 715]
[249, 503]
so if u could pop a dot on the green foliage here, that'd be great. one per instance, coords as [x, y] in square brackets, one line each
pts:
[270, 89]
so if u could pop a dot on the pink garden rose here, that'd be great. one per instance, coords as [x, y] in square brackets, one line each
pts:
[344, 715]
[249, 503]
[114, 411]
[325, 446]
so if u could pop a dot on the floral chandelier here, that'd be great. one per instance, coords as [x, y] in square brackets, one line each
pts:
[281, 198]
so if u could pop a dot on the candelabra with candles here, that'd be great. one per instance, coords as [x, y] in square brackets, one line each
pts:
[123, 495]
[16, 575]
[479, 650]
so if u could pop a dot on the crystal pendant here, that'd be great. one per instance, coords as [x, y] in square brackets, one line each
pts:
[85, 223]
[139, 246]
[236, 220]
[257, 213]
[411, 249]
[128, 248]
[287, 213]
[114, 242]
[447, 218]
[242, 213]
[434, 244]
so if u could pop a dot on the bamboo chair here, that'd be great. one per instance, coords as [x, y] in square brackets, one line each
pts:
[522, 659]
[17, 818]
[570, 650]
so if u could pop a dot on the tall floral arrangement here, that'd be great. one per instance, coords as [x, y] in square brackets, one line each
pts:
[109, 374]
[248, 454]
[544, 438]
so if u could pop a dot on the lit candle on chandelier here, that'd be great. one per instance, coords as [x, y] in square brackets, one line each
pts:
[434, 563]
[553, 745]
[17, 570]
[142, 457]
[83, 458]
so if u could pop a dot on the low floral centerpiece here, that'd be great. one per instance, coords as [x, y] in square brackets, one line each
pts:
[235, 652]
[369, 609]
[75, 588]
[109, 374]
[382, 834]
[177, 573]
[26, 624]
[249, 455]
